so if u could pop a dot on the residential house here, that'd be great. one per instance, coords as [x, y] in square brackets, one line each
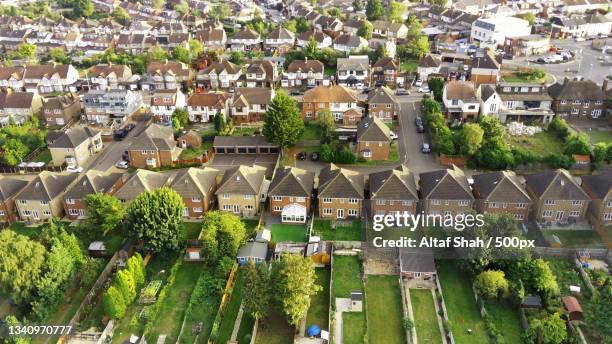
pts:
[341, 193]
[429, 64]
[19, 106]
[279, 38]
[490, 102]
[245, 40]
[460, 101]
[373, 139]
[165, 102]
[347, 43]
[61, 110]
[9, 188]
[240, 190]
[599, 189]
[353, 71]
[252, 250]
[250, 104]
[388, 30]
[381, 104]
[578, 26]
[445, 192]
[133, 43]
[303, 73]
[42, 198]
[385, 71]
[261, 74]
[219, 74]
[143, 181]
[212, 38]
[495, 30]
[337, 99]
[527, 45]
[290, 194]
[89, 183]
[75, 146]
[197, 187]
[393, 191]
[578, 98]
[167, 75]
[323, 40]
[154, 147]
[486, 69]
[108, 76]
[103, 107]
[557, 197]
[524, 102]
[328, 23]
[202, 107]
[501, 192]
[12, 77]
[51, 78]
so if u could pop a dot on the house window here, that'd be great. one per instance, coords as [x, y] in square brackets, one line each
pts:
[277, 198]
[47, 213]
[563, 102]
[195, 199]
[547, 213]
[327, 211]
[607, 216]
[300, 199]
[493, 205]
[26, 213]
[327, 200]
[353, 201]
[521, 205]
[609, 204]
[596, 113]
[277, 208]
[367, 153]
[406, 203]
[73, 212]
[380, 202]
[352, 212]
[519, 216]
[388, 106]
[22, 201]
[225, 196]
[577, 203]
[575, 111]
[248, 196]
[70, 201]
[549, 202]
[227, 207]
[586, 103]
[197, 210]
[576, 101]
[435, 202]
[44, 202]
[464, 203]
[574, 213]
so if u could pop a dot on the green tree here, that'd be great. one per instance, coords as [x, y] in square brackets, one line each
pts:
[237, 57]
[157, 53]
[104, 212]
[312, 50]
[182, 7]
[470, 138]
[155, 218]
[290, 25]
[11, 320]
[114, 304]
[395, 12]
[375, 9]
[441, 3]
[121, 16]
[415, 30]
[577, 144]
[537, 274]
[158, 4]
[82, 8]
[21, 263]
[548, 330]
[176, 124]
[530, 17]
[222, 235]
[58, 55]
[220, 125]
[365, 30]
[14, 151]
[436, 85]
[600, 151]
[182, 115]
[221, 11]
[558, 127]
[283, 124]
[328, 125]
[302, 25]
[27, 50]
[181, 53]
[294, 283]
[125, 284]
[445, 142]
[491, 283]
[195, 48]
[420, 46]
[135, 265]
[358, 5]
[599, 313]
[257, 300]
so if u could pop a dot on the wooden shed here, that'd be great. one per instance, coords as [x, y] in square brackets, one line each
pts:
[573, 307]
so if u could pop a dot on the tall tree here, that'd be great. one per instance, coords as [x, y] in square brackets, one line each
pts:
[155, 217]
[27, 50]
[311, 50]
[283, 124]
[104, 212]
[182, 115]
[135, 265]
[195, 48]
[294, 283]
[158, 4]
[181, 53]
[491, 283]
[328, 125]
[358, 5]
[82, 8]
[220, 125]
[470, 138]
[375, 9]
[221, 11]
[436, 85]
[121, 16]
[157, 53]
[395, 12]
[420, 46]
[548, 330]
[126, 285]
[21, 264]
[222, 235]
[114, 303]
[256, 300]
[365, 30]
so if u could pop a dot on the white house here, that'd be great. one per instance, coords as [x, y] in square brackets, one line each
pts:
[51, 78]
[495, 30]
[165, 102]
[490, 102]
[322, 39]
[279, 37]
[244, 40]
[353, 71]
[202, 107]
[429, 64]
[303, 72]
[460, 101]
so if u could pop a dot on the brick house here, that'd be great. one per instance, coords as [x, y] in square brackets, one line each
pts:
[240, 190]
[303, 73]
[373, 139]
[599, 188]
[202, 107]
[197, 187]
[75, 146]
[337, 99]
[142, 181]
[250, 104]
[381, 104]
[557, 197]
[212, 38]
[62, 109]
[290, 194]
[445, 192]
[460, 101]
[393, 191]
[154, 147]
[219, 74]
[578, 98]
[91, 182]
[501, 192]
[486, 69]
[42, 198]
[384, 71]
[9, 188]
[341, 193]
[165, 102]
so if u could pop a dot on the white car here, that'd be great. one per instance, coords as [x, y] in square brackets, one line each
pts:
[74, 169]
[393, 135]
[580, 39]
[122, 164]
[418, 83]
[424, 89]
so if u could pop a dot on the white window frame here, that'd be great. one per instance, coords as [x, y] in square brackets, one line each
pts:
[225, 196]
[327, 200]
[277, 198]
[353, 201]
[327, 211]
[196, 199]
[380, 202]
[352, 212]
[197, 209]
[574, 213]
[549, 202]
[547, 213]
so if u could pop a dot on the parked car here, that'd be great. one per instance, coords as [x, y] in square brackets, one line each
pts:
[580, 39]
[301, 156]
[424, 89]
[120, 134]
[314, 156]
[508, 56]
[130, 127]
[418, 83]
[74, 169]
[393, 135]
[418, 122]
[122, 164]
[401, 92]
[296, 93]
[425, 148]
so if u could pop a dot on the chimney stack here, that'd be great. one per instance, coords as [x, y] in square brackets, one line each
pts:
[604, 86]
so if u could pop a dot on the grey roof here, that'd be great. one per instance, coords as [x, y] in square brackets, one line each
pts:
[141, 181]
[488, 61]
[155, 137]
[190, 181]
[47, 185]
[558, 185]
[381, 95]
[292, 181]
[74, 137]
[242, 180]
[577, 89]
[600, 184]
[253, 249]
[373, 129]
[501, 186]
[416, 260]
[337, 182]
[92, 182]
[281, 33]
[395, 184]
[429, 61]
[9, 187]
[448, 184]
[242, 141]
[354, 63]
[486, 91]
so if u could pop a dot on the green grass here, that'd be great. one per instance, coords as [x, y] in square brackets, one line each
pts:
[393, 157]
[250, 225]
[409, 65]
[329, 71]
[274, 330]
[311, 132]
[599, 136]
[191, 230]
[318, 313]
[231, 311]
[244, 131]
[513, 77]
[192, 153]
[462, 310]
[294, 233]
[347, 276]
[540, 144]
[245, 330]
[29, 231]
[566, 275]
[205, 311]
[384, 311]
[506, 320]
[575, 238]
[323, 228]
[425, 317]
[353, 327]
[44, 156]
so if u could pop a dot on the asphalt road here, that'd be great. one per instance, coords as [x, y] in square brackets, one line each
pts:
[113, 151]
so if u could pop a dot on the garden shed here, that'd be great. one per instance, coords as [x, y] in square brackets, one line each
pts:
[573, 307]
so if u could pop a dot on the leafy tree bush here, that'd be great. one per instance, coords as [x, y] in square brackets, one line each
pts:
[114, 303]
[222, 235]
[283, 124]
[558, 127]
[547, 330]
[22, 262]
[257, 280]
[104, 212]
[559, 161]
[491, 283]
[436, 85]
[577, 144]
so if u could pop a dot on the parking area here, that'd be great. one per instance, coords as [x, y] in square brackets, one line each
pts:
[227, 161]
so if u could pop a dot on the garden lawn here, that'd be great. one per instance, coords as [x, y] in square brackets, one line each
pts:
[318, 313]
[250, 225]
[566, 275]
[246, 329]
[460, 305]
[244, 131]
[353, 327]
[172, 311]
[44, 156]
[323, 228]
[191, 230]
[231, 311]
[274, 330]
[575, 238]
[346, 276]
[294, 233]
[540, 144]
[393, 157]
[599, 136]
[513, 77]
[311, 132]
[192, 153]
[409, 65]
[384, 311]
[506, 320]
[205, 312]
[29, 231]
[425, 317]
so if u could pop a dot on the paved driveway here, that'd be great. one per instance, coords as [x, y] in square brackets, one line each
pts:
[226, 161]
[106, 160]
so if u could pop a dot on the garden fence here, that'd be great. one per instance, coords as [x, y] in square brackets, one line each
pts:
[227, 294]
[449, 334]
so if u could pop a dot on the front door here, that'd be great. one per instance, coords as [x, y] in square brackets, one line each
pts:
[340, 213]
[236, 209]
[559, 215]
[186, 212]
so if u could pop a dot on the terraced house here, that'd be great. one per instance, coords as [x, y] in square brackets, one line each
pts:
[557, 197]
[393, 191]
[89, 183]
[9, 188]
[290, 194]
[143, 181]
[578, 98]
[240, 190]
[445, 192]
[501, 192]
[373, 139]
[43, 198]
[197, 187]
[61, 110]
[599, 188]
[341, 193]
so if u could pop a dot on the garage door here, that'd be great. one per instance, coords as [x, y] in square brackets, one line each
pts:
[220, 150]
[252, 150]
[263, 150]
[242, 150]
[273, 150]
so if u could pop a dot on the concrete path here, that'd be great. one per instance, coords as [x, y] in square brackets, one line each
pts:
[440, 321]
[413, 339]
[342, 305]
[237, 323]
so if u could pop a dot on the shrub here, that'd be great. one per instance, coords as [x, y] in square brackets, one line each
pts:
[558, 127]
[559, 161]
[408, 324]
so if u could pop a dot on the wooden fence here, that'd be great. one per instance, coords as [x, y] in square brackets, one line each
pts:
[449, 160]
[225, 298]
[202, 159]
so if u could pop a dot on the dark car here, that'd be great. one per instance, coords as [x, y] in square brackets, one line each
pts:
[130, 127]
[296, 93]
[508, 56]
[301, 156]
[120, 134]
[314, 156]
